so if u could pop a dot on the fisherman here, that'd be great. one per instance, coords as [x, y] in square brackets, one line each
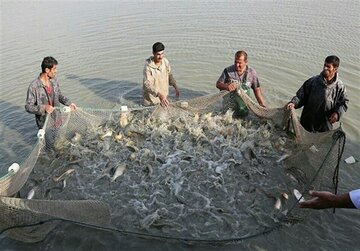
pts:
[44, 93]
[324, 199]
[323, 97]
[157, 78]
[239, 75]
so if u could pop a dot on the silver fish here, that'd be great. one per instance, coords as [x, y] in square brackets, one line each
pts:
[64, 175]
[149, 170]
[277, 204]
[298, 195]
[31, 194]
[109, 133]
[285, 196]
[118, 137]
[150, 219]
[283, 157]
[313, 149]
[123, 120]
[76, 138]
[118, 172]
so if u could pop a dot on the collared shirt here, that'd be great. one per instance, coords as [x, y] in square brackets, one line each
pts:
[248, 80]
[37, 98]
[156, 79]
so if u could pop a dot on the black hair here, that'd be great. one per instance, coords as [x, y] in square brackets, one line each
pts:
[48, 62]
[238, 54]
[158, 46]
[334, 60]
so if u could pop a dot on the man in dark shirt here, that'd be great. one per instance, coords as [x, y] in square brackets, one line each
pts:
[323, 97]
[44, 93]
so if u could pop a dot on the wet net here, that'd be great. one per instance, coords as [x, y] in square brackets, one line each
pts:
[186, 172]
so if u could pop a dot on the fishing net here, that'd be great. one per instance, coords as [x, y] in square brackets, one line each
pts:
[186, 172]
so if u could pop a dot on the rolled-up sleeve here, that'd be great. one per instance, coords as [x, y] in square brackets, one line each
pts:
[355, 198]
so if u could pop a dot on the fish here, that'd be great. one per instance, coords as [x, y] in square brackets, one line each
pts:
[207, 117]
[187, 157]
[76, 138]
[181, 157]
[118, 137]
[149, 170]
[108, 133]
[108, 170]
[196, 117]
[292, 177]
[61, 144]
[298, 195]
[123, 120]
[118, 172]
[249, 154]
[277, 204]
[313, 149]
[150, 219]
[63, 176]
[132, 156]
[184, 104]
[278, 200]
[285, 196]
[132, 148]
[283, 157]
[30, 194]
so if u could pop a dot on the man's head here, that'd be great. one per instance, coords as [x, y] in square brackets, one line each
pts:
[240, 61]
[158, 51]
[331, 65]
[49, 66]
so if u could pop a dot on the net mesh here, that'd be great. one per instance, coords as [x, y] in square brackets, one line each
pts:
[185, 172]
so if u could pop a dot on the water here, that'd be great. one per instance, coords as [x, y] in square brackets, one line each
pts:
[101, 48]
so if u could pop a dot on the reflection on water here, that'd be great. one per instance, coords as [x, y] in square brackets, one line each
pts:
[101, 48]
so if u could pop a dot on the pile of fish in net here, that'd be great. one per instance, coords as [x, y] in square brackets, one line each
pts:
[195, 175]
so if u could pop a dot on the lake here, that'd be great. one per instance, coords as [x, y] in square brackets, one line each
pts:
[101, 47]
